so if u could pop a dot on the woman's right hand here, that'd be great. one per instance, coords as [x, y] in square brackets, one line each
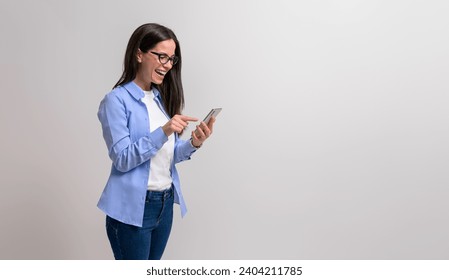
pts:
[177, 124]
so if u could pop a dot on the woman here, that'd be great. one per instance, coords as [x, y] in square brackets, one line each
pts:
[141, 121]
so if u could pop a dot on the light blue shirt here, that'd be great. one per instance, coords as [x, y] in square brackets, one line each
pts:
[126, 130]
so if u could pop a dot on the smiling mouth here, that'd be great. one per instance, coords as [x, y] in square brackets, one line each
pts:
[160, 73]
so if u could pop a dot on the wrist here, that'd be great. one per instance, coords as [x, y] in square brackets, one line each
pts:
[195, 146]
[167, 131]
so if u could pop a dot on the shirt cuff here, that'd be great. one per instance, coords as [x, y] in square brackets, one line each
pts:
[158, 137]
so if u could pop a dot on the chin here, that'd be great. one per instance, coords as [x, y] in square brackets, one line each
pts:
[157, 81]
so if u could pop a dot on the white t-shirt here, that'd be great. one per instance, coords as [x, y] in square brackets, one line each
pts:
[160, 166]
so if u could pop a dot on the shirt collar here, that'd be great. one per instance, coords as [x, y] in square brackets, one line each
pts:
[134, 90]
[137, 92]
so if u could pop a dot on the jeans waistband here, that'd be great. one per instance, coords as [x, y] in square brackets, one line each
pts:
[160, 194]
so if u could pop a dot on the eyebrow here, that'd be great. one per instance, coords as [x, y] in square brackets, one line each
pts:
[165, 54]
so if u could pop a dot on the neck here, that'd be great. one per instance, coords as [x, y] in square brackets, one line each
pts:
[142, 84]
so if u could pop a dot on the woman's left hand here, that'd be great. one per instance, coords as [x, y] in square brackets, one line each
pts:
[202, 132]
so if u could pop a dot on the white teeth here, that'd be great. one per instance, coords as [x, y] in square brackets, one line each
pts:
[161, 72]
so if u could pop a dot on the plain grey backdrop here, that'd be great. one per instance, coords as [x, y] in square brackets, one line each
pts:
[332, 142]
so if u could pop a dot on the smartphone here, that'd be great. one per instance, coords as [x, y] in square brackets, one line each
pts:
[212, 113]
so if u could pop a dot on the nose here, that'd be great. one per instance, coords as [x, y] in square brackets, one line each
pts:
[167, 66]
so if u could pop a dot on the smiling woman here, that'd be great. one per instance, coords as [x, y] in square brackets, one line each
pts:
[155, 38]
[141, 120]
[154, 64]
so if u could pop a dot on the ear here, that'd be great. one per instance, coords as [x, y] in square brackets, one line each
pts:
[139, 56]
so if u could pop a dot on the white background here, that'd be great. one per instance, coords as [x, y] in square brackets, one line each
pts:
[332, 142]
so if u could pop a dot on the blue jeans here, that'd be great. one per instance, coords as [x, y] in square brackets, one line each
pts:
[148, 242]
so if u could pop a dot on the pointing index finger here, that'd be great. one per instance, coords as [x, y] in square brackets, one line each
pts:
[187, 119]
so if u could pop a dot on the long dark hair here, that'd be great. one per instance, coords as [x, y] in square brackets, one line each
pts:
[144, 38]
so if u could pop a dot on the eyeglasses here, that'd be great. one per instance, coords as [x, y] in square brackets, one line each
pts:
[163, 58]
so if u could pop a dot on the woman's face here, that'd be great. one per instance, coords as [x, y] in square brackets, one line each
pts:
[151, 70]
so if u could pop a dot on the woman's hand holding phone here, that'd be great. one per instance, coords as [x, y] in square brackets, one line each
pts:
[205, 128]
[202, 132]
